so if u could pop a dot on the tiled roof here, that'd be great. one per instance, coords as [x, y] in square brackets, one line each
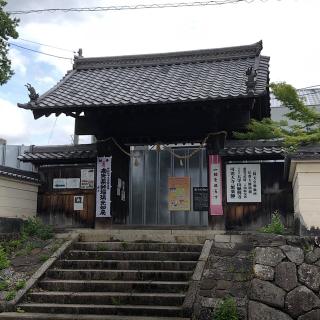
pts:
[307, 152]
[159, 78]
[310, 96]
[253, 148]
[18, 174]
[60, 154]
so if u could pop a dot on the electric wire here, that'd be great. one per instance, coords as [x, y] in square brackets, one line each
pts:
[33, 50]
[47, 45]
[134, 7]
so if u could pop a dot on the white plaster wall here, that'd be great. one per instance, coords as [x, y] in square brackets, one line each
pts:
[17, 199]
[306, 191]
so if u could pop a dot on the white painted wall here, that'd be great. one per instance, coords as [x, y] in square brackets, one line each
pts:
[305, 177]
[18, 199]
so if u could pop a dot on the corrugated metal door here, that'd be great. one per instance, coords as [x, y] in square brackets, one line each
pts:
[149, 172]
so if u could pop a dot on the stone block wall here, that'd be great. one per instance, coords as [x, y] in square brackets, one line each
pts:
[286, 282]
[270, 277]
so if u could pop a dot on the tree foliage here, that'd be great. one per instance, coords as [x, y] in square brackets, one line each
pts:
[306, 127]
[8, 30]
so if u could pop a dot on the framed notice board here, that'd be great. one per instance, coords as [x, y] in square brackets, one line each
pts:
[200, 199]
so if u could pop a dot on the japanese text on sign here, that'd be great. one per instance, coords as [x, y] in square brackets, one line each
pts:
[103, 201]
[243, 182]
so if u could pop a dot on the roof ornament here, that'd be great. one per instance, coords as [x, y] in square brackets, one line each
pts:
[251, 83]
[32, 93]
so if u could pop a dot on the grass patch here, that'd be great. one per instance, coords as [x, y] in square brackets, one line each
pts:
[44, 257]
[276, 226]
[20, 284]
[10, 295]
[124, 245]
[34, 227]
[102, 247]
[4, 285]
[4, 261]
[226, 310]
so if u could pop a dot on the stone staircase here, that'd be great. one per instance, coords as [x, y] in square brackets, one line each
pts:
[114, 280]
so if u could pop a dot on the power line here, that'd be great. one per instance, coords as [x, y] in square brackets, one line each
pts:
[47, 45]
[134, 7]
[47, 54]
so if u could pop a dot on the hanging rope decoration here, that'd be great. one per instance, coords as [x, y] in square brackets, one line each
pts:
[158, 147]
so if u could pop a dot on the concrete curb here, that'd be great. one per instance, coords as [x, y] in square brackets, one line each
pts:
[9, 306]
[196, 278]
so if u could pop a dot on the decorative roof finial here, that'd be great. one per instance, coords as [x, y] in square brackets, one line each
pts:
[32, 93]
[251, 83]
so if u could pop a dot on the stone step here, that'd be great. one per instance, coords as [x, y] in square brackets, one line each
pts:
[132, 310]
[138, 246]
[110, 298]
[125, 275]
[126, 264]
[50, 316]
[114, 286]
[132, 255]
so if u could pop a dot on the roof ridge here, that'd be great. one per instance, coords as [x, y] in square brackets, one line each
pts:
[180, 57]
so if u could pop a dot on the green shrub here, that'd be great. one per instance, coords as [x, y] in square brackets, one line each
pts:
[34, 227]
[226, 310]
[10, 295]
[4, 261]
[44, 257]
[20, 284]
[276, 226]
[3, 285]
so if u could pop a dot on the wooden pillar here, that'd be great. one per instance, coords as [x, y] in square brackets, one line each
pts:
[214, 144]
[119, 183]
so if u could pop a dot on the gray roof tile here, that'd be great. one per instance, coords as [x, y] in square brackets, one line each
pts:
[60, 154]
[18, 174]
[159, 78]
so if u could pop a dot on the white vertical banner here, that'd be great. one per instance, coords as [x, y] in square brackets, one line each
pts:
[243, 182]
[103, 193]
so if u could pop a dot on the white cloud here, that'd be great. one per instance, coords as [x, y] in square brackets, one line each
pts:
[18, 126]
[46, 80]
[19, 61]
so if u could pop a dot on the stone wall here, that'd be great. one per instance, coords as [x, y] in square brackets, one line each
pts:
[286, 282]
[270, 277]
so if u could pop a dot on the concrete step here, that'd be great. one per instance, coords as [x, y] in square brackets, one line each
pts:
[125, 275]
[138, 246]
[50, 316]
[132, 310]
[110, 298]
[114, 286]
[127, 264]
[132, 255]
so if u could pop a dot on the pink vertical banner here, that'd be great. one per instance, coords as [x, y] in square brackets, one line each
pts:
[215, 185]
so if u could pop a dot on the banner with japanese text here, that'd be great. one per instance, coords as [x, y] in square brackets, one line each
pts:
[103, 194]
[243, 182]
[215, 184]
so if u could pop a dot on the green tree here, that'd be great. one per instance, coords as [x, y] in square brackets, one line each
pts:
[8, 30]
[306, 127]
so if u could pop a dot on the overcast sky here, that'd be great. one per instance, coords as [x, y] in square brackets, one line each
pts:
[289, 30]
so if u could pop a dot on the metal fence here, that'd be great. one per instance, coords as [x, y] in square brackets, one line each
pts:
[149, 173]
[9, 156]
